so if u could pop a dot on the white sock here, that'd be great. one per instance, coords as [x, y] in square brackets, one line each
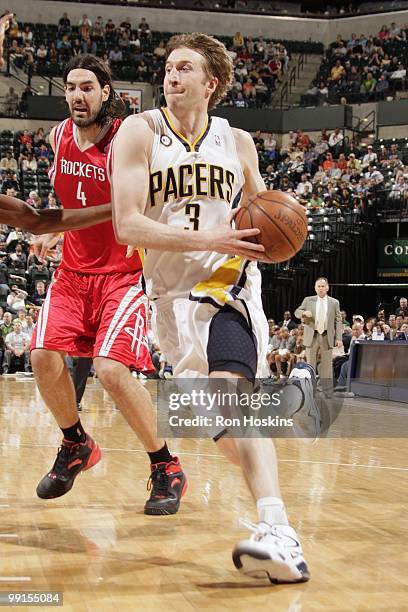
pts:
[271, 510]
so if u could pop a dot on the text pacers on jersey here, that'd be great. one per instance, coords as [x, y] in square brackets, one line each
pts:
[197, 179]
[82, 169]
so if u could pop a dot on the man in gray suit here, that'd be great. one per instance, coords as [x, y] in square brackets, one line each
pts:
[323, 327]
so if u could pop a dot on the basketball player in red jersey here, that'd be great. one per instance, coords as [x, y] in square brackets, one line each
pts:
[96, 307]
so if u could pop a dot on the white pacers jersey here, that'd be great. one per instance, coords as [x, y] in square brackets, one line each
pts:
[192, 187]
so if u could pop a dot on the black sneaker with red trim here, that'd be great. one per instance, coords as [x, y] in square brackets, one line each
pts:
[72, 458]
[167, 484]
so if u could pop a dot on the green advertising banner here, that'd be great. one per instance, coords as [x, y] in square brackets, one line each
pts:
[392, 257]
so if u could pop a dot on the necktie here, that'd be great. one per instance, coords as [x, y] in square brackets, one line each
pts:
[320, 316]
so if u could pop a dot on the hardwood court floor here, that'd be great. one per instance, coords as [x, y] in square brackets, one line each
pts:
[346, 497]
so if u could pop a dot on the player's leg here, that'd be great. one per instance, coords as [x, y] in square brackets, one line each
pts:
[274, 550]
[132, 399]
[118, 347]
[80, 377]
[55, 385]
[59, 323]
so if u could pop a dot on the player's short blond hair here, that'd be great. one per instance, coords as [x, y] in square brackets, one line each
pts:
[217, 61]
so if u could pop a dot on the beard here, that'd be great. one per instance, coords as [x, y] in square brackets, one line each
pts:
[83, 122]
[89, 119]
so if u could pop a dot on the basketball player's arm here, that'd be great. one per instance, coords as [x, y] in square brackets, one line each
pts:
[131, 153]
[17, 213]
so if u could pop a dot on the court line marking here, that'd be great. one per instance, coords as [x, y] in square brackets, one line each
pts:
[15, 578]
[8, 535]
[135, 450]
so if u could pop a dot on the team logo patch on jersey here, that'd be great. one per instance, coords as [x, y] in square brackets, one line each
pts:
[165, 140]
[217, 140]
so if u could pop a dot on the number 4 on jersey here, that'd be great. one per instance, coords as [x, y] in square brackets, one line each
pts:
[81, 194]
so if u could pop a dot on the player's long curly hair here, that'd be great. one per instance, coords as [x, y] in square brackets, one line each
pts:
[217, 61]
[114, 105]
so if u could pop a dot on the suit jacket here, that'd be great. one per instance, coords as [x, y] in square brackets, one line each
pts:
[402, 336]
[291, 325]
[334, 322]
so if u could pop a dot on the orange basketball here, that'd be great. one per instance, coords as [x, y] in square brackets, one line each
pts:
[282, 221]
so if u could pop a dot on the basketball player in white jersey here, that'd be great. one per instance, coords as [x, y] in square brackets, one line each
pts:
[176, 173]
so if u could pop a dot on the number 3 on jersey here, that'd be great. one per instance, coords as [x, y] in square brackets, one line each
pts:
[193, 212]
[81, 194]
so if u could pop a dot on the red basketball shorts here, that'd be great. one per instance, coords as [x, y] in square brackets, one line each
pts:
[96, 315]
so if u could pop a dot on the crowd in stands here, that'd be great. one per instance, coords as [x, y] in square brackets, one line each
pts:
[286, 347]
[363, 68]
[330, 172]
[136, 53]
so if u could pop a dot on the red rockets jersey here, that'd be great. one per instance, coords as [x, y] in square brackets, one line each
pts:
[81, 178]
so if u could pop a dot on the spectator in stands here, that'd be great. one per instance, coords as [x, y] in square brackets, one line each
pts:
[377, 333]
[110, 30]
[98, 31]
[381, 87]
[29, 163]
[23, 107]
[64, 48]
[11, 102]
[9, 183]
[41, 55]
[14, 236]
[7, 324]
[85, 21]
[370, 157]
[29, 327]
[39, 295]
[302, 140]
[16, 299]
[238, 41]
[17, 347]
[399, 190]
[115, 56]
[304, 185]
[287, 321]
[34, 199]
[8, 162]
[64, 24]
[143, 29]
[403, 333]
[286, 346]
[403, 307]
[336, 141]
[337, 72]
[17, 258]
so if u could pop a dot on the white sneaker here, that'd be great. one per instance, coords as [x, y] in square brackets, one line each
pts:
[272, 551]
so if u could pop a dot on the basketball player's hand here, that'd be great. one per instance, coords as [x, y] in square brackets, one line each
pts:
[232, 242]
[42, 244]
